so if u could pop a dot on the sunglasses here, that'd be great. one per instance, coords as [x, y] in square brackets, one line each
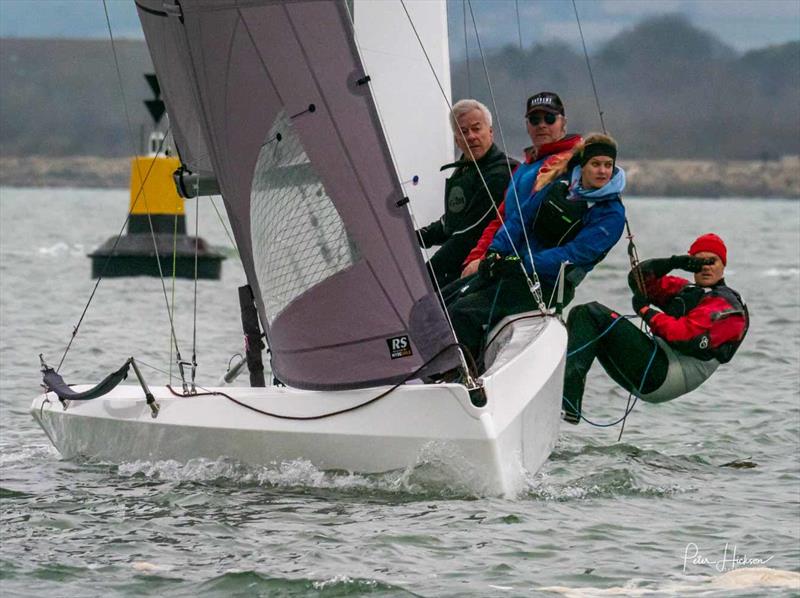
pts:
[548, 118]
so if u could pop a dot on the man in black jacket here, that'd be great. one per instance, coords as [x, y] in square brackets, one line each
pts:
[472, 192]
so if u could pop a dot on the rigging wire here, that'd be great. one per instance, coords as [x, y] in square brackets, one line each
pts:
[519, 25]
[196, 250]
[174, 276]
[466, 47]
[452, 115]
[534, 285]
[75, 329]
[224, 226]
[589, 67]
[140, 193]
[403, 182]
[633, 253]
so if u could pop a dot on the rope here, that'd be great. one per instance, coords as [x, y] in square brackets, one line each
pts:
[392, 154]
[196, 250]
[629, 407]
[466, 47]
[224, 226]
[589, 67]
[450, 106]
[632, 252]
[519, 26]
[463, 137]
[491, 311]
[174, 268]
[127, 218]
[534, 285]
[370, 401]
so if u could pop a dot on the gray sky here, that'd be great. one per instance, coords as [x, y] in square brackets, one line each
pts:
[743, 24]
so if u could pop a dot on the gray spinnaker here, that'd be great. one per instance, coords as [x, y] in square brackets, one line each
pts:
[280, 96]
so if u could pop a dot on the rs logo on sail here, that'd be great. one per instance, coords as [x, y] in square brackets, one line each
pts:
[399, 346]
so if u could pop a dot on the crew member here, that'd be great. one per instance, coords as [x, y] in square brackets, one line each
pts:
[564, 215]
[695, 326]
[472, 192]
[551, 149]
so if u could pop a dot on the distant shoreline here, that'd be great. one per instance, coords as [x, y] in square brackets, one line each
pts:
[646, 178]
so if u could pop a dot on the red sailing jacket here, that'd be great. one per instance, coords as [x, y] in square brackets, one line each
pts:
[702, 322]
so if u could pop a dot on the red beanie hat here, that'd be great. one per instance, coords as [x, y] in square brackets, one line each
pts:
[710, 242]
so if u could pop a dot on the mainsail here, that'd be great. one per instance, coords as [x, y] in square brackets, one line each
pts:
[273, 97]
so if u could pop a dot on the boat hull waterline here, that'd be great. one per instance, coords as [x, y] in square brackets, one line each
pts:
[493, 448]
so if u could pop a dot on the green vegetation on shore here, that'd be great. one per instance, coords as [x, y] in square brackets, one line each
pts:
[693, 116]
[659, 178]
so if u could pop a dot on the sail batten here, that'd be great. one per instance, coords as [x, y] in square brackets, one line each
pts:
[309, 185]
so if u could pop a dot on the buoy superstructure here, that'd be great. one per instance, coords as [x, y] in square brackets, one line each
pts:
[156, 228]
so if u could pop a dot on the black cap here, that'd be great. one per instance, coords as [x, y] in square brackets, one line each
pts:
[547, 101]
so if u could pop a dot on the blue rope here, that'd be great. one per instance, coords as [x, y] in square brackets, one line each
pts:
[601, 335]
[638, 390]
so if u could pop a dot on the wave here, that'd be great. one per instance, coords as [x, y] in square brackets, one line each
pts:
[235, 582]
[26, 455]
[62, 249]
[779, 272]
[615, 470]
[433, 476]
[606, 484]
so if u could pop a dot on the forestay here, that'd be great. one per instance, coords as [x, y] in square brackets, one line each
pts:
[289, 127]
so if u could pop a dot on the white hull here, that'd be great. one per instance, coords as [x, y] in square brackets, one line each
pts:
[513, 434]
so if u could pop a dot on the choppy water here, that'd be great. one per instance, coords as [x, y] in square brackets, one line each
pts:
[649, 516]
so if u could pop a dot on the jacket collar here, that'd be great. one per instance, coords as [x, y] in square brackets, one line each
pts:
[611, 190]
[565, 143]
[492, 155]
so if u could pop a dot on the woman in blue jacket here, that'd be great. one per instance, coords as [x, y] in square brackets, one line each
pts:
[575, 218]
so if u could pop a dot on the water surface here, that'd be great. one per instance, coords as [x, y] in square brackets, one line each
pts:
[651, 515]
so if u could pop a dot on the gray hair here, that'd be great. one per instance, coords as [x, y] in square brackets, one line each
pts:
[461, 107]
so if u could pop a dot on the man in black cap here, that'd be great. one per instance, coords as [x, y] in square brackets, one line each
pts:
[546, 122]
[472, 193]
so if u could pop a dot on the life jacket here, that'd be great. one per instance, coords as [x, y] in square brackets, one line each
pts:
[558, 219]
[700, 346]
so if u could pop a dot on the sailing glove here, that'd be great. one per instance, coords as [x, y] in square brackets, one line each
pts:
[690, 263]
[639, 302]
[495, 266]
[658, 267]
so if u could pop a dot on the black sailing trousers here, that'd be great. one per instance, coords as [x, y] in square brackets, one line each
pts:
[624, 351]
[474, 310]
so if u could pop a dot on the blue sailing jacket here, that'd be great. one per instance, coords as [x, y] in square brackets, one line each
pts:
[602, 226]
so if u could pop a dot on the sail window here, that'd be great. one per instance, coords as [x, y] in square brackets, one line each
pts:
[298, 236]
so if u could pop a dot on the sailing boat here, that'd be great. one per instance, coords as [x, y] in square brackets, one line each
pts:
[274, 100]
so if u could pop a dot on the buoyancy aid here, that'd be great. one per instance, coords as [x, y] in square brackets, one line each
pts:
[558, 219]
[702, 346]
